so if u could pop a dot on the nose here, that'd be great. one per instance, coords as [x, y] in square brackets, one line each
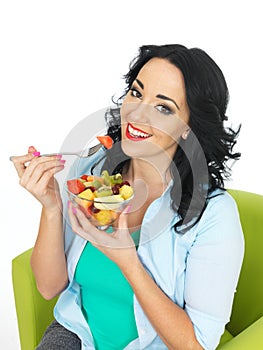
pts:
[139, 112]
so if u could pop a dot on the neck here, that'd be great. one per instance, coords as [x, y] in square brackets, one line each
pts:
[148, 172]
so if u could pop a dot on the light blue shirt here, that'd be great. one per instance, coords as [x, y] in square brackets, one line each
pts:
[198, 270]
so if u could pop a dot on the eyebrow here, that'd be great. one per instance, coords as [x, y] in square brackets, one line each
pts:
[163, 97]
[139, 83]
[168, 99]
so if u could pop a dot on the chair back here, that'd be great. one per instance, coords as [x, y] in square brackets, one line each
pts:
[248, 301]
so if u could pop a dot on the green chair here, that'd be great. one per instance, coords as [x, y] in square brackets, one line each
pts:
[243, 332]
[34, 313]
[245, 329]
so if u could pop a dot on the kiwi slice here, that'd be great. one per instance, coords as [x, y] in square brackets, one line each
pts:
[97, 184]
[103, 191]
[106, 177]
[116, 179]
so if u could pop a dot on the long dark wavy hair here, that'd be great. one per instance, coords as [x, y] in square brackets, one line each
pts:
[209, 141]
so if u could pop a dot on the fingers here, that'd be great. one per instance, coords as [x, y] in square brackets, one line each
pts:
[108, 243]
[40, 184]
[36, 174]
[21, 161]
[31, 149]
[77, 219]
[39, 167]
[123, 224]
[82, 226]
[73, 219]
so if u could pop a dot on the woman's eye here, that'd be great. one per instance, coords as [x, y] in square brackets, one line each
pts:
[164, 109]
[135, 93]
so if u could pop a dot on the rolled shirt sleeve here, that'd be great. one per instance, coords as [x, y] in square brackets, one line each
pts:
[213, 267]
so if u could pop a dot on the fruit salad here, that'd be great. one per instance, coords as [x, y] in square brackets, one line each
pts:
[103, 198]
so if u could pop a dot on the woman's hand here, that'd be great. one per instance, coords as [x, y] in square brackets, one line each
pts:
[117, 246]
[37, 176]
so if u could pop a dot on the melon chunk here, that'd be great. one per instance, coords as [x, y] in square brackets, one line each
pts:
[109, 202]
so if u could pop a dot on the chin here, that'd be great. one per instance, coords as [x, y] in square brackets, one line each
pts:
[142, 150]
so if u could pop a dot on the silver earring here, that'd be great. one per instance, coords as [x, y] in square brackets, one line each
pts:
[185, 135]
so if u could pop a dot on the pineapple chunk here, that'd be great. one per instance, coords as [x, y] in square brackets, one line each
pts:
[85, 198]
[105, 217]
[87, 194]
[126, 191]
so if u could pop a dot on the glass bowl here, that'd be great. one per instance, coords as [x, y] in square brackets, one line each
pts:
[101, 211]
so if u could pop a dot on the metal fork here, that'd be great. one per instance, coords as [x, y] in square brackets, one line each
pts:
[81, 154]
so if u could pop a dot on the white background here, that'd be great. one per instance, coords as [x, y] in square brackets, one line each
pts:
[62, 60]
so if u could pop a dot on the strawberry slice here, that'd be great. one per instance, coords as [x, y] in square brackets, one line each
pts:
[105, 141]
[75, 186]
[84, 177]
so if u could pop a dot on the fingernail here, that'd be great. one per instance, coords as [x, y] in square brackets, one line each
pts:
[74, 210]
[58, 156]
[36, 154]
[62, 161]
[127, 209]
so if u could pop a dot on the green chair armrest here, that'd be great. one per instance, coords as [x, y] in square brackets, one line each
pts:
[34, 313]
[250, 338]
[224, 338]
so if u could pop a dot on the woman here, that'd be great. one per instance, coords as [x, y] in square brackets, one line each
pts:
[174, 287]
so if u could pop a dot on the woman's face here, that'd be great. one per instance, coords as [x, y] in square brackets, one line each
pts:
[154, 114]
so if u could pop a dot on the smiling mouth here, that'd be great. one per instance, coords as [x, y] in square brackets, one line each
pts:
[136, 134]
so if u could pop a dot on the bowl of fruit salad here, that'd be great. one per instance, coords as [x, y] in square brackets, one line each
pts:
[101, 199]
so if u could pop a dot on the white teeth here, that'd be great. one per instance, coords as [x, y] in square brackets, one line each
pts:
[137, 133]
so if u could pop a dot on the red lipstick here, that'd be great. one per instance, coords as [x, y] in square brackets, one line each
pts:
[135, 134]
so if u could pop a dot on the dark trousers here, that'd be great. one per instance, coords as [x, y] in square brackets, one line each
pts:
[57, 337]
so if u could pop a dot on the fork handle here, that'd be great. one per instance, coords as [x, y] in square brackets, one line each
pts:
[90, 152]
[52, 154]
[59, 153]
